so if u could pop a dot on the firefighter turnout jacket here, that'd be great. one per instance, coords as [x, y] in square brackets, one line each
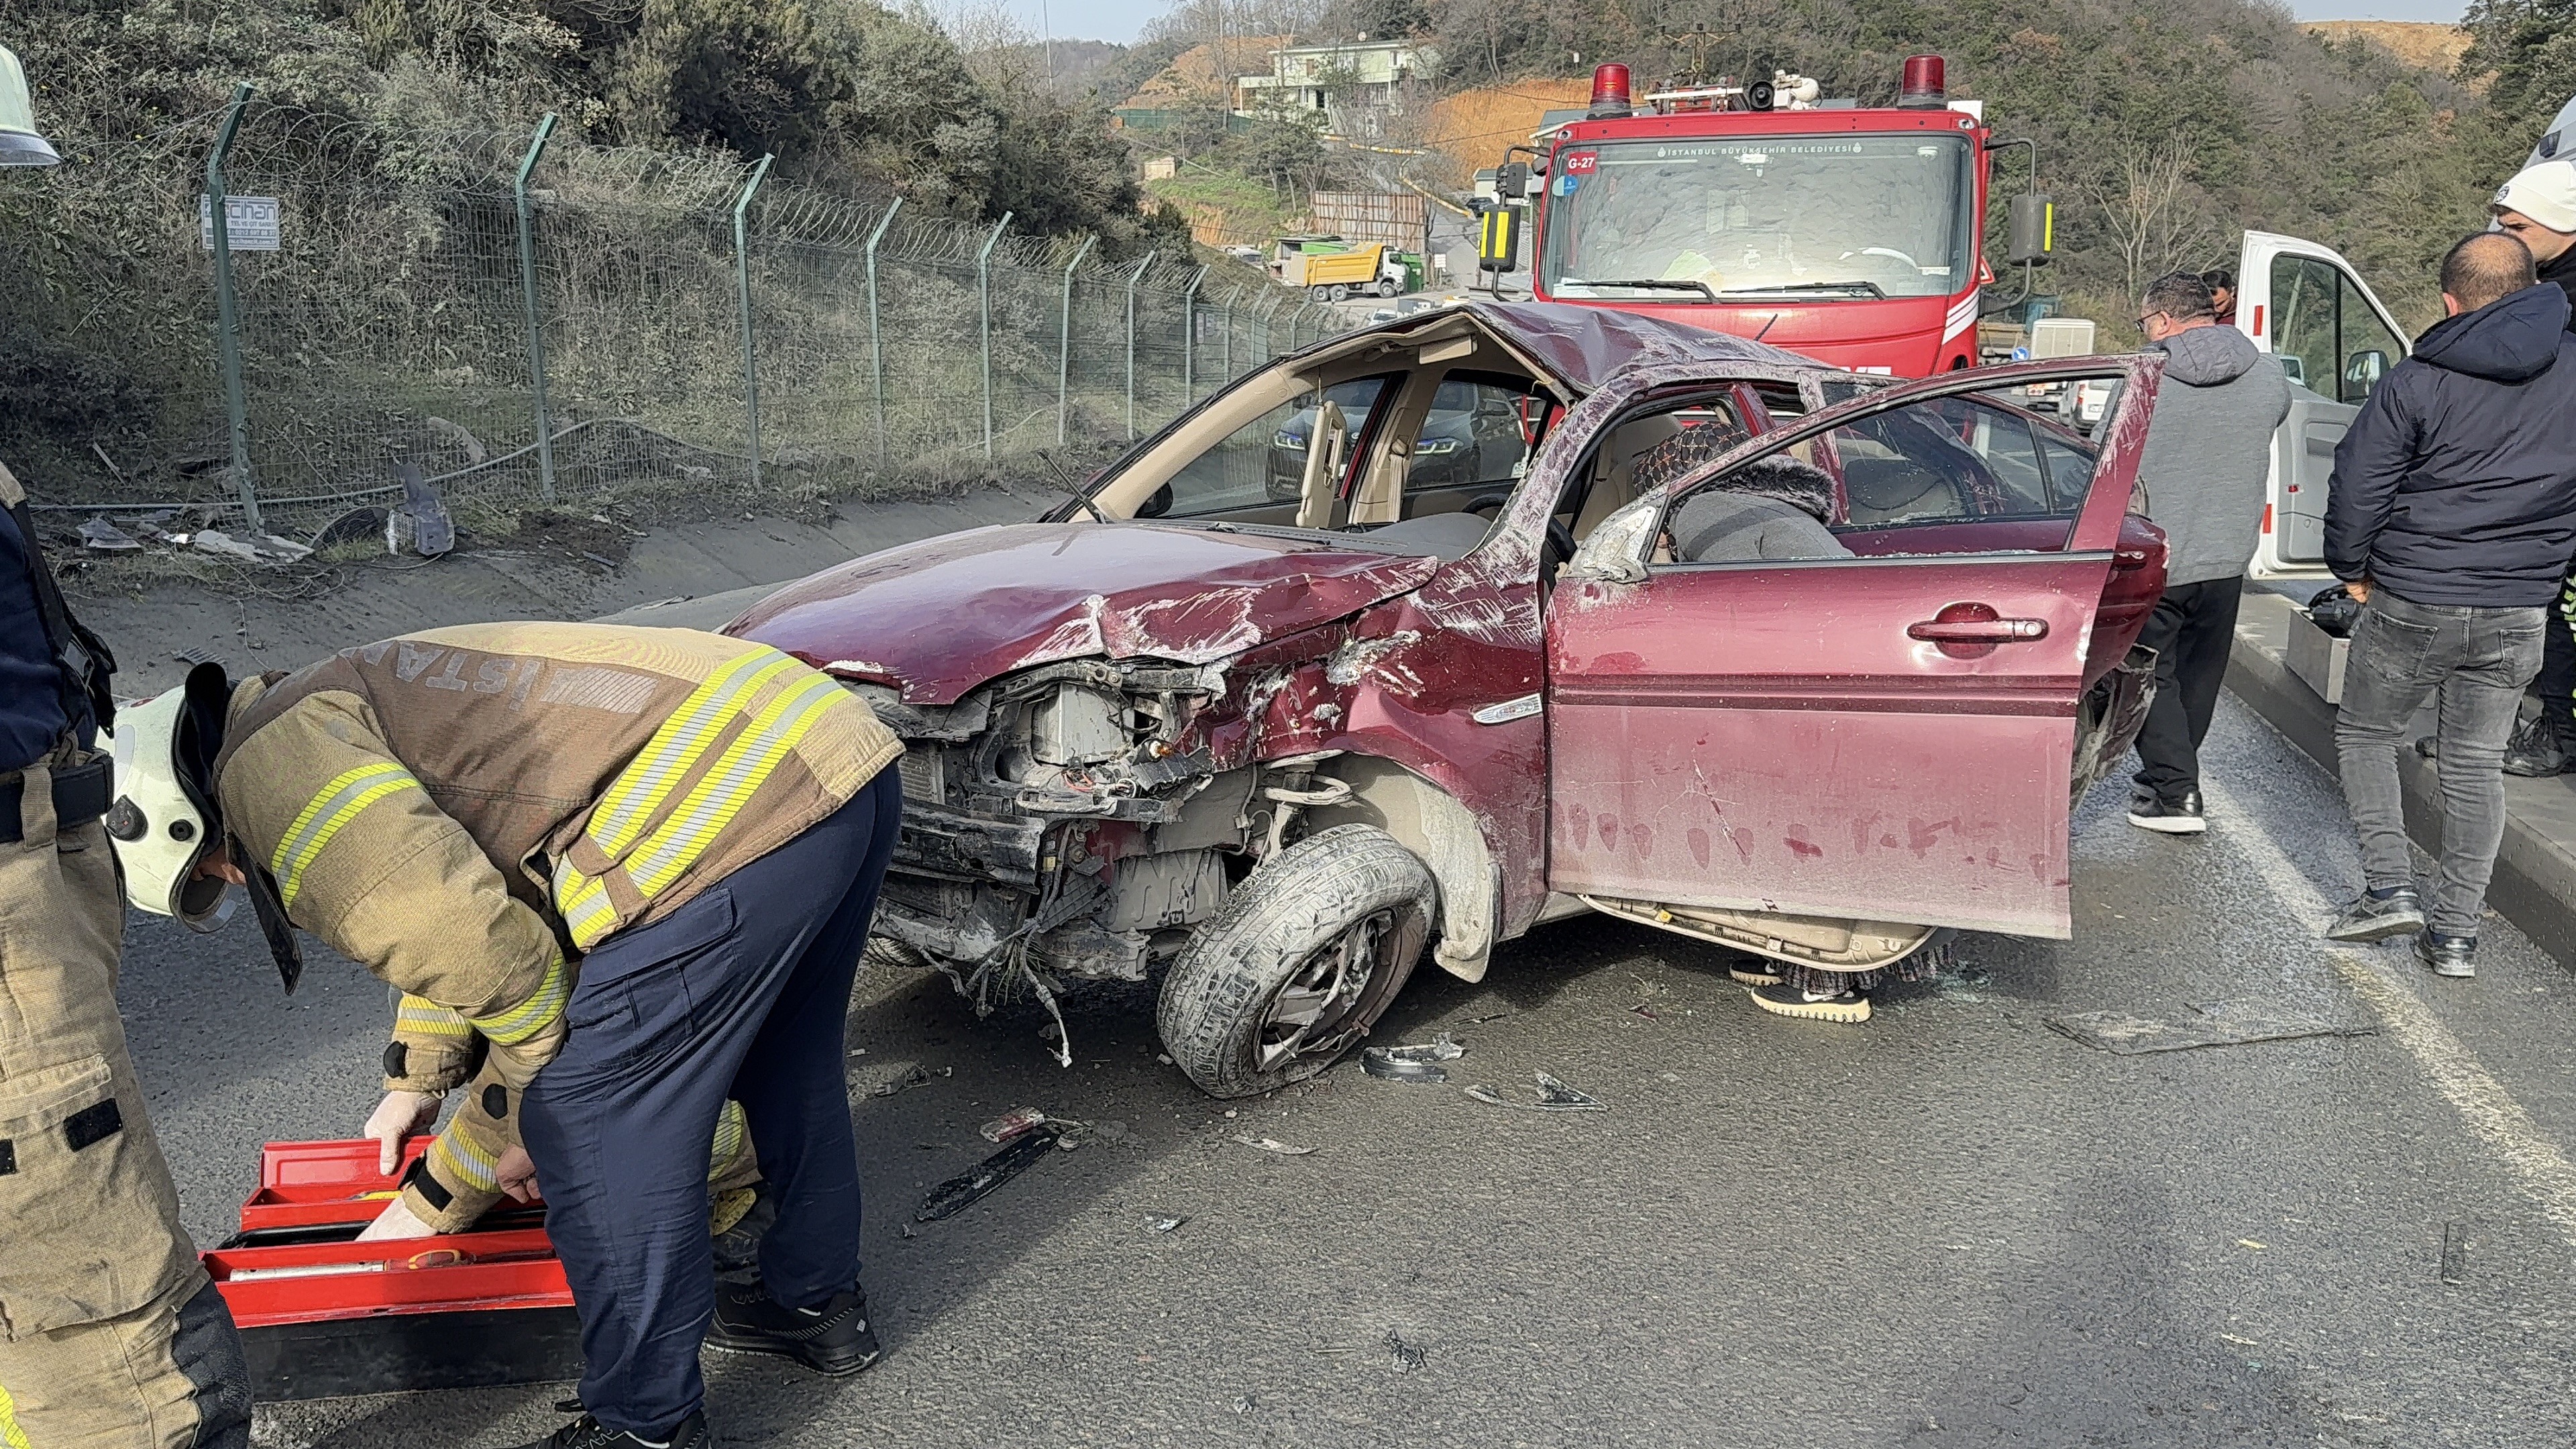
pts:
[466, 811]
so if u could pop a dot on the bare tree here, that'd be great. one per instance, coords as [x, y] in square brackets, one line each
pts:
[2156, 216]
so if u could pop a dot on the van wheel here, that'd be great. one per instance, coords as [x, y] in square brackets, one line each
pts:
[1300, 962]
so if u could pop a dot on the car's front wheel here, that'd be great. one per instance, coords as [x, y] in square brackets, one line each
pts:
[1302, 960]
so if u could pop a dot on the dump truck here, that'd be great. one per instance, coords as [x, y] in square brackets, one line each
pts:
[1333, 276]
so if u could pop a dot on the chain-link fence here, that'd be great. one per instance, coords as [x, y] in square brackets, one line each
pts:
[529, 320]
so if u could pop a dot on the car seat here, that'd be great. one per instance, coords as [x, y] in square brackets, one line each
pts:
[1614, 468]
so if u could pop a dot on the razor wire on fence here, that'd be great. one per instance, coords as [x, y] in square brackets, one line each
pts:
[525, 321]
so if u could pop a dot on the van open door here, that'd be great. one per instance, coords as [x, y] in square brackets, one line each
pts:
[2307, 307]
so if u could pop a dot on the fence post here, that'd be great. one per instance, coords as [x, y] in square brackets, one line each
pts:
[228, 309]
[1132, 279]
[1064, 342]
[742, 284]
[1230, 299]
[984, 305]
[876, 336]
[528, 291]
[1190, 338]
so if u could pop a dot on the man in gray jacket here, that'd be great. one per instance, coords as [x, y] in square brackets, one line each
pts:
[2201, 479]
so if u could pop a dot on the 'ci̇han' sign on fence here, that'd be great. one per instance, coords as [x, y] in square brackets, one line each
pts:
[527, 320]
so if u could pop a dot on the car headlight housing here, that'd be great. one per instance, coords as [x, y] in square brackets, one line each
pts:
[1286, 439]
[1436, 447]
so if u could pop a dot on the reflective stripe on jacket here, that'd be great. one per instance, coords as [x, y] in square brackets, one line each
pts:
[465, 810]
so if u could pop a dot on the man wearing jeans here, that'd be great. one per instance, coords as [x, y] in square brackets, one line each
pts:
[2451, 516]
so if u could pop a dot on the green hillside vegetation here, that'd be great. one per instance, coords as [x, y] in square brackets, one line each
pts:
[852, 98]
[2165, 127]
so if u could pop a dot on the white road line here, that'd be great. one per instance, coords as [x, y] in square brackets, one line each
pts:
[2547, 1177]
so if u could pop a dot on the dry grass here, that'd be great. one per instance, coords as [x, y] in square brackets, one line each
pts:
[2423, 45]
[1470, 129]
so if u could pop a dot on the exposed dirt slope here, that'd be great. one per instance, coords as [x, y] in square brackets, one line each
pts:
[2426, 46]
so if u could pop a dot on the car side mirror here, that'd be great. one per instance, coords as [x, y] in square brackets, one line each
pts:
[2033, 229]
[1615, 551]
[2365, 369]
[1158, 505]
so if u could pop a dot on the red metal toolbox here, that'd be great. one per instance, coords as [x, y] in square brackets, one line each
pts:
[322, 1314]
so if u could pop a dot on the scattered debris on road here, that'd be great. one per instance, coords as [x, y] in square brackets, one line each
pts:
[1408, 1356]
[1553, 1096]
[100, 534]
[966, 1189]
[1419, 1062]
[1011, 1124]
[916, 1076]
[265, 549]
[2218, 1023]
[1269, 1144]
[2455, 1253]
[1164, 1225]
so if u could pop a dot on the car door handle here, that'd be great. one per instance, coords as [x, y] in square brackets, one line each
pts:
[1977, 631]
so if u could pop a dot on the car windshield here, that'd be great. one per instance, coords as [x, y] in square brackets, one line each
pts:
[1827, 218]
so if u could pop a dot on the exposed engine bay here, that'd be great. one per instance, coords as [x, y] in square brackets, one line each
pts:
[1073, 821]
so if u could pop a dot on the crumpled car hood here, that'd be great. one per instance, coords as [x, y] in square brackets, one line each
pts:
[939, 617]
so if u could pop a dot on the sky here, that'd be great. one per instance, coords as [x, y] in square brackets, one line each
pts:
[1120, 19]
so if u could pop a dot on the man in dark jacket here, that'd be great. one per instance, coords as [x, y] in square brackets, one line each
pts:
[2451, 516]
[2209, 446]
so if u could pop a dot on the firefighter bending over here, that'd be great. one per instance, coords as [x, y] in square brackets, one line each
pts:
[640, 863]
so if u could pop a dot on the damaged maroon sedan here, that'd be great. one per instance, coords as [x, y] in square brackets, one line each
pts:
[1275, 748]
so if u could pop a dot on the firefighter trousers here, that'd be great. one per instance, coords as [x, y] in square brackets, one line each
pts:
[742, 992]
[111, 1336]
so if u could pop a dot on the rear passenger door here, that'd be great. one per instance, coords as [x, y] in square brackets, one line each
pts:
[2310, 309]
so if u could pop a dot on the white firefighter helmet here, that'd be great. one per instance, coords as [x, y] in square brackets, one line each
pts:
[19, 143]
[164, 819]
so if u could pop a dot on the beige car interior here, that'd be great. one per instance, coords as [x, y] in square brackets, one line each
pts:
[1427, 356]
[1332, 437]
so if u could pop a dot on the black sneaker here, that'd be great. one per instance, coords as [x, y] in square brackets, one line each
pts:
[2177, 817]
[588, 1433]
[2447, 955]
[2534, 751]
[1848, 1007]
[1753, 970]
[2376, 918]
[834, 1339]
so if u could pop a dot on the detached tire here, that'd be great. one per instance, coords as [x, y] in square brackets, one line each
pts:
[1299, 964]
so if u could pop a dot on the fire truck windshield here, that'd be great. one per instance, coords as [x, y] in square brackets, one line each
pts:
[1816, 217]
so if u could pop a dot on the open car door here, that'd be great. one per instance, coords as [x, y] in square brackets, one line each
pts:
[1824, 758]
[2310, 309]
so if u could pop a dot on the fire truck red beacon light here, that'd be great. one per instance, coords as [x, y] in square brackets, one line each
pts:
[1610, 92]
[1923, 86]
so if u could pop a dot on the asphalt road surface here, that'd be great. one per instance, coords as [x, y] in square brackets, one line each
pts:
[1954, 1226]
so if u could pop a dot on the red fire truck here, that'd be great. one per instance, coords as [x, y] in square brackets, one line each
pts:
[1853, 234]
